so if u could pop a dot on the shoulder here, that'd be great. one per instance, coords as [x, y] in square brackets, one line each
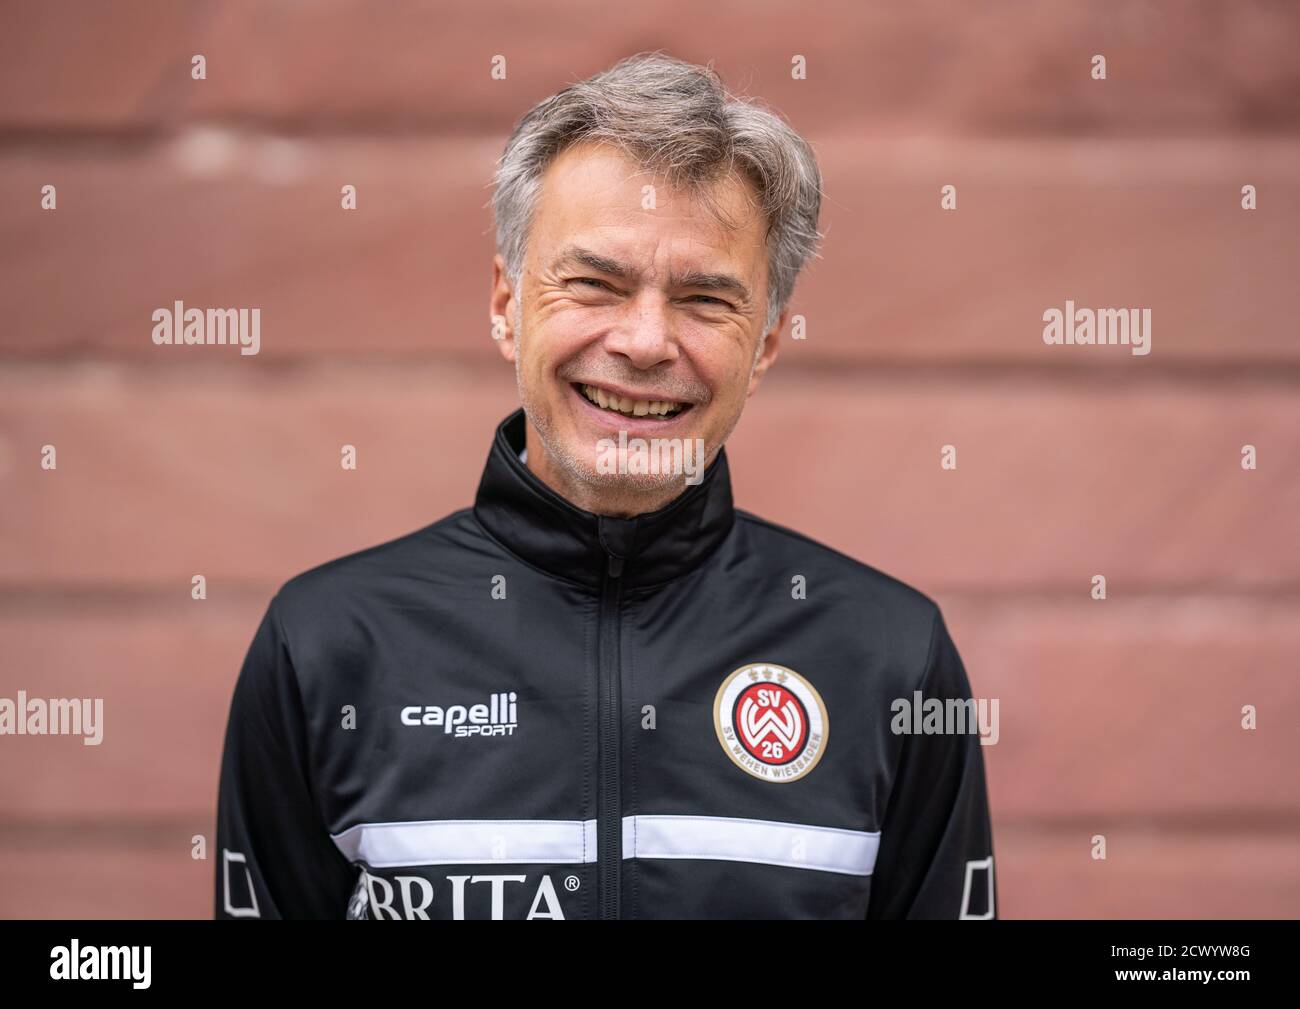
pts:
[871, 602]
[787, 545]
[321, 603]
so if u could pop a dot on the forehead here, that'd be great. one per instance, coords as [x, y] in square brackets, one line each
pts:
[595, 193]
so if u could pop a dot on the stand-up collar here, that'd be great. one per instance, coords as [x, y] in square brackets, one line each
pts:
[549, 532]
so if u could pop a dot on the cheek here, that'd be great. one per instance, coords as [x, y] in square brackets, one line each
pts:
[556, 340]
[727, 374]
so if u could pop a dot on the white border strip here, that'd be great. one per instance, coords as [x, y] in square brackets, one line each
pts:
[769, 842]
[555, 842]
[464, 842]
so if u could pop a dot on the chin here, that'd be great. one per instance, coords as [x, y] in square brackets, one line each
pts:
[635, 484]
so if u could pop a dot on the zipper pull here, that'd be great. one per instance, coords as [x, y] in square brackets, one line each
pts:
[616, 538]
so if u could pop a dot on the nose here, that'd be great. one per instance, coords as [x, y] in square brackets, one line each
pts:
[644, 335]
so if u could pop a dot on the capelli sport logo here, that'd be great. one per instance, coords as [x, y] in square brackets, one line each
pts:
[499, 717]
[771, 722]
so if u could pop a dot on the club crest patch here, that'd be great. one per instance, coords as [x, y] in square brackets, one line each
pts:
[771, 721]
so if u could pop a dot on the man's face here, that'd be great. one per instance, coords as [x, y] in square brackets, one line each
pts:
[646, 301]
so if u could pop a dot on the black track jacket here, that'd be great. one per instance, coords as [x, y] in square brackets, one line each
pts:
[529, 711]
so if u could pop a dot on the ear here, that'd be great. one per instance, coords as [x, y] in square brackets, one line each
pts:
[771, 347]
[501, 309]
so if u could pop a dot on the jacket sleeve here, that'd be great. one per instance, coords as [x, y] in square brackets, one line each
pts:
[936, 843]
[274, 856]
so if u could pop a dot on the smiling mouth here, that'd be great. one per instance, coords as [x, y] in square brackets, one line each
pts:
[658, 408]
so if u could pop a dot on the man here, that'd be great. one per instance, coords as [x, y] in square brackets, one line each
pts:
[604, 692]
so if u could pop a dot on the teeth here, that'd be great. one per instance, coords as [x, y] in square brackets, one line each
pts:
[631, 407]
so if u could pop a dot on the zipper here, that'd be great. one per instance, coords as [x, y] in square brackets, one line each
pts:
[614, 537]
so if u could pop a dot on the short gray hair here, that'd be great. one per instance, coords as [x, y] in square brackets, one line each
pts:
[677, 118]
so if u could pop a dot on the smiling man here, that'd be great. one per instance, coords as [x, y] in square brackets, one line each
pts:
[603, 691]
[638, 305]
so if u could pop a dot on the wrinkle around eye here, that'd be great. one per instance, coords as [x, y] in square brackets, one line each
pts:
[594, 284]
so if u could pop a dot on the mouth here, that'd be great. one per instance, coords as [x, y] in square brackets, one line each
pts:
[626, 406]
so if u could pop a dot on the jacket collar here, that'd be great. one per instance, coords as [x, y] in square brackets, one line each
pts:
[549, 532]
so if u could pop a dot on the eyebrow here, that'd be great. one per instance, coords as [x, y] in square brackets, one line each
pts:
[720, 282]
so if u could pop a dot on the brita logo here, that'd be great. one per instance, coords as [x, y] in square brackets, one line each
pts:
[496, 718]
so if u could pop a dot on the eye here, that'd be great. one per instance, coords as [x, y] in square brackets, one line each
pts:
[592, 282]
[709, 300]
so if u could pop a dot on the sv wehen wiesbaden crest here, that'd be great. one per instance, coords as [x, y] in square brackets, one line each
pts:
[771, 721]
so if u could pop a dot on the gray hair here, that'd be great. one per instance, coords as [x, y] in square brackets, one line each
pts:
[676, 118]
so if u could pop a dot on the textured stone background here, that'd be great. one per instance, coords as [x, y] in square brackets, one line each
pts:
[1118, 717]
